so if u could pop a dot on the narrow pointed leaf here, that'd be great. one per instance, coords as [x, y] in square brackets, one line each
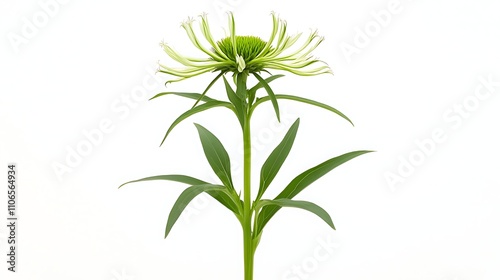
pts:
[227, 201]
[270, 93]
[195, 110]
[190, 95]
[208, 87]
[238, 103]
[216, 155]
[186, 196]
[308, 177]
[221, 197]
[174, 177]
[303, 100]
[276, 159]
[259, 85]
[303, 180]
[305, 205]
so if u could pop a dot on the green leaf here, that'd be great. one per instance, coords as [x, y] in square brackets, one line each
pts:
[208, 87]
[238, 103]
[231, 202]
[216, 155]
[260, 85]
[309, 176]
[303, 180]
[306, 205]
[190, 95]
[186, 196]
[176, 178]
[270, 93]
[195, 110]
[303, 100]
[221, 197]
[276, 159]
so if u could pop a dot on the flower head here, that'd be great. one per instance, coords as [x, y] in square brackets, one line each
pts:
[249, 54]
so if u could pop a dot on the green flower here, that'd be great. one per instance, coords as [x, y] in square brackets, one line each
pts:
[246, 54]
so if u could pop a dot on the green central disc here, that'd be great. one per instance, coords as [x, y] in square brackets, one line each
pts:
[246, 46]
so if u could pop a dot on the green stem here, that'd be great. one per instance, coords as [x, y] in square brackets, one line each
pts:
[248, 249]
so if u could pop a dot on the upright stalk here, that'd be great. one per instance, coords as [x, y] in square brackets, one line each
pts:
[248, 250]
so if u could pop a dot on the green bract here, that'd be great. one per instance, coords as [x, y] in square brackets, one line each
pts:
[240, 57]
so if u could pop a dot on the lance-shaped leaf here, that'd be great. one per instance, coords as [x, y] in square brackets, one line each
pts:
[270, 93]
[306, 178]
[216, 155]
[238, 103]
[195, 110]
[208, 87]
[174, 177]
[190, 95]
[252, 91]
[305, 205]
[186, 196]
[276, 159]
[303, 100]
[223, 198]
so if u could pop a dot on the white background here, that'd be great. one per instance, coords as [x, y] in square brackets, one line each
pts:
[78, 66]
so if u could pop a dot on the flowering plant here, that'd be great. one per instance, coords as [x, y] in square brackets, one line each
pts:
[241, 57]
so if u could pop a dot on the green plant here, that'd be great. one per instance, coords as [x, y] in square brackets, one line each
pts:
[244, 56]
